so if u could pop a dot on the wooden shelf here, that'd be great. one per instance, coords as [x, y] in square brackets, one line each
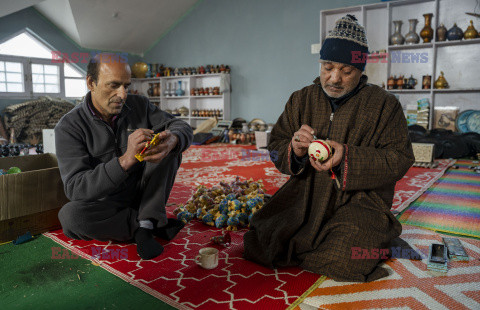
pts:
[207, 96]
[457, 42]
[410, 46]
[409, 90]
[175, 97]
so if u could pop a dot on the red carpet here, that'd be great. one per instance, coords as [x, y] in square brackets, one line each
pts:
[236, 283]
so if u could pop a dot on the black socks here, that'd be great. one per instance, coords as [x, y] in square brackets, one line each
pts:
[169, 231]
[147, 247]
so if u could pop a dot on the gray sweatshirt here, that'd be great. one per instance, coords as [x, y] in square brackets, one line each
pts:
[88, 148]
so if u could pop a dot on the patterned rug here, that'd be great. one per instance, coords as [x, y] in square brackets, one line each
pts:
[409, 285]
[451, 205]
[175, 278]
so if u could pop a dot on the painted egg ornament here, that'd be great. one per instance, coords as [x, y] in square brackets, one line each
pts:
[251, 203]
[243, 218]
[221, 221]
[231, 197]
[233, 221]
[185, 216]
[208, 219]
[319, 150]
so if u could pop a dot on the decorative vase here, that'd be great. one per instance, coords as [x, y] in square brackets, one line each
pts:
[180, 91]
[396, 38]
[441, 82]
[471, 32]
[427, 31]
[139, 69]
[150, 90]
[441, 33]
[454, 33]
[412, 37]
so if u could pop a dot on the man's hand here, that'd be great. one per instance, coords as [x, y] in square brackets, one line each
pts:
[136, 143]
[333, 161]
[302, 139]
[167, 142]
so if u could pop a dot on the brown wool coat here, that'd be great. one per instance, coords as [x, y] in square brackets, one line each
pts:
[311, 222]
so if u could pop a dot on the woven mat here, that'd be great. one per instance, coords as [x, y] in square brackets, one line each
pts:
[410, 285]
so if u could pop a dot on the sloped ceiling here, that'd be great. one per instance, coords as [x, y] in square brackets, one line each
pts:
[114, 25]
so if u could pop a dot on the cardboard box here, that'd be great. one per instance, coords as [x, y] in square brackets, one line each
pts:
[30, 201]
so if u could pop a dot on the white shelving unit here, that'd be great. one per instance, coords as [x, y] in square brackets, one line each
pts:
[205, 102]
[459, 60]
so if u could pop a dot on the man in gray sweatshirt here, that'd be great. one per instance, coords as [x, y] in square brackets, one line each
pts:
[112, 195]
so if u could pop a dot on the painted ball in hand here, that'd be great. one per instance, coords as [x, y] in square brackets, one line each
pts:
[319, 150]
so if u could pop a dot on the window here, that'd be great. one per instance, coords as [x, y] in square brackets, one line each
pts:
[27, 70]
[11, 77]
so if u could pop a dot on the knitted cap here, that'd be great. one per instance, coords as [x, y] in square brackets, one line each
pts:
[346, 43]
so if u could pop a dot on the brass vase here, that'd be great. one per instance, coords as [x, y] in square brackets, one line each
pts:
[441, 82]
[427, 32]
[471, 32]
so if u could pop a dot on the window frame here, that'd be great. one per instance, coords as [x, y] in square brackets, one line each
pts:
[28, 78]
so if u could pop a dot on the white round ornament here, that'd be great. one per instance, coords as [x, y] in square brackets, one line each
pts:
[319, 150]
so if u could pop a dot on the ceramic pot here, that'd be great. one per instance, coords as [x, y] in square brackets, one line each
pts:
[139, 69]
[396, 38]
[156, 89]
[150, 90]
[412, 37]
[454, 33]
[441, 33]
[427, 31]
[411, 82]
[441, 82]
[400, 82]
[183, 111]
[391, 83]
[471, 32]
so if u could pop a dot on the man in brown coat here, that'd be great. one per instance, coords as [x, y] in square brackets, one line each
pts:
[327, 211]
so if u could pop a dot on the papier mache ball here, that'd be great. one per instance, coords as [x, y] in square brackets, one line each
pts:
[319, 150]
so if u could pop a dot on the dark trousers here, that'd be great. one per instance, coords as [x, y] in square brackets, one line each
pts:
[116, 218]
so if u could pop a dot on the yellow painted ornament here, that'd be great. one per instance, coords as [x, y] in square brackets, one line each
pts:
[319, 150]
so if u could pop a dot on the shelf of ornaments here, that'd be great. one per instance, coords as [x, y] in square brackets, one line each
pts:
[191, 75]
[175, 97]
[433, 44]
[445, 90]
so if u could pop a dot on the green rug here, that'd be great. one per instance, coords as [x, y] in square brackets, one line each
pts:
[31, 279]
